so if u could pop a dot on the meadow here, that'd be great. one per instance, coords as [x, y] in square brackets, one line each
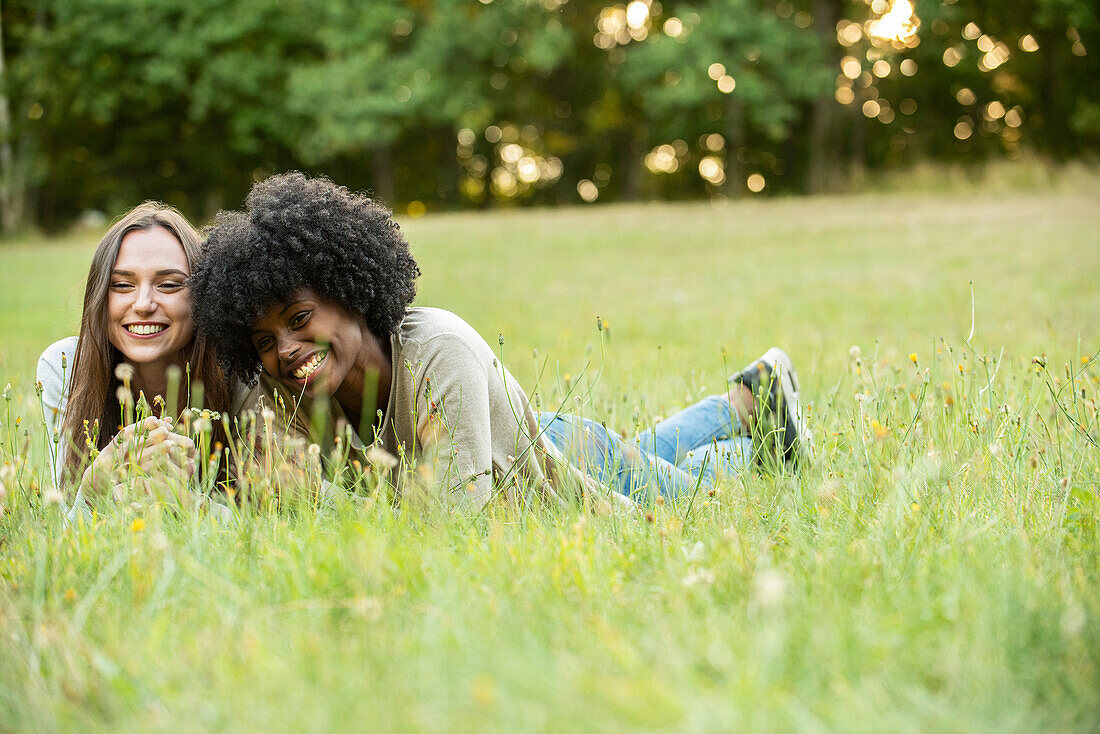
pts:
[936, 569]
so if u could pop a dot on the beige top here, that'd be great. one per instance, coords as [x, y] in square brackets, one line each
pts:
[454, 408]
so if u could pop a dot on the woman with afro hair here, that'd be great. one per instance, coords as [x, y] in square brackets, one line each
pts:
[312, 285]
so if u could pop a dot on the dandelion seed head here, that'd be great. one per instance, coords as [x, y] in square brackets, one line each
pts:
[379, 457]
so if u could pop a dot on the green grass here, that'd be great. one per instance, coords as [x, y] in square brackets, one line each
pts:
[938, 569]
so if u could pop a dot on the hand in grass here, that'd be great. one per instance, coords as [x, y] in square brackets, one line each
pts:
[148, 448]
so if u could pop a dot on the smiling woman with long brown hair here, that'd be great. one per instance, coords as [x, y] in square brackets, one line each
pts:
[136, 322]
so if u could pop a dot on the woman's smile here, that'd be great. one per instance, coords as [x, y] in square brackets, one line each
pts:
[145, 330]
[309, 367]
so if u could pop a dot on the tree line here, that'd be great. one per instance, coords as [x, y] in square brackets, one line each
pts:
[436, 104]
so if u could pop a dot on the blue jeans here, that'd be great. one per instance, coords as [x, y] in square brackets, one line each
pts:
[677, 457]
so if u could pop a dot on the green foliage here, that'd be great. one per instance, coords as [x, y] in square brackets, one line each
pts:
[189, 101]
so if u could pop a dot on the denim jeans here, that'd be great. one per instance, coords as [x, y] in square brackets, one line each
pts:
[677, 457]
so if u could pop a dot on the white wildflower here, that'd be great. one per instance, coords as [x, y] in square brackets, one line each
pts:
[379, 457]
[699, 576]
[769, 588]
[1073, 620]
[695, 553]
[124, 371]
[52, 497]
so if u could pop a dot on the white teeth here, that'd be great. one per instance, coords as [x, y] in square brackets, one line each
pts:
[146, 329]
[310, 366]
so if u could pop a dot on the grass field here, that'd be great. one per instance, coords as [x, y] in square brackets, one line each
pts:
[937, 569]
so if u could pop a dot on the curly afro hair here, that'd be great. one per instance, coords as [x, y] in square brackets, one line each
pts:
[298, 233]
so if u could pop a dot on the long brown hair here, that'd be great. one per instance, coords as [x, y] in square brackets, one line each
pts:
[93, 384]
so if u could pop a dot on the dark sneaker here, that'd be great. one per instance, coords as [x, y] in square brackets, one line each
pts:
[780, 416]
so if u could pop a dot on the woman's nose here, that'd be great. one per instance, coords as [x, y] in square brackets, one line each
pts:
[146, 301]
[288, 348]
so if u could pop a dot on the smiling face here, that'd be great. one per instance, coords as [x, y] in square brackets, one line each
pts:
[148, 302]
[313, 344]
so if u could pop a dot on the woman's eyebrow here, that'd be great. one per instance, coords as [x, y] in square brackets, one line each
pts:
[290, 306]
[169, 271]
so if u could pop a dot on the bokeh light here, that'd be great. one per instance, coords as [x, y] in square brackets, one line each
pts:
[587, 190]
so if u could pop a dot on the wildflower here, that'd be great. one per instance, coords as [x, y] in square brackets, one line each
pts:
[769, 588]
[913, 357]
[7, 392]
[854, 351]
[124, 395]
[379, 457]
[599, 324]
[313, 450]
[700, 576]
[52, 497]
[70, 595]
[695, 553]
[38, 388]
[124, 372]
[1073, 620]
[137, 525]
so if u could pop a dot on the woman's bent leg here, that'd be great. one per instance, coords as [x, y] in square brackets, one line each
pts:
[607, 458]
[720, 458]
[693, 428]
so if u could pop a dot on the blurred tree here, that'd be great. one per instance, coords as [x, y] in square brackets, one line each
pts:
[734, 68]
[104, 103]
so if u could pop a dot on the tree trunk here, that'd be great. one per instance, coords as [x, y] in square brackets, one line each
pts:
[735, 140]
[382, 174]
[825, 160]
[631, 165]
[1053, 130]
[12, 191]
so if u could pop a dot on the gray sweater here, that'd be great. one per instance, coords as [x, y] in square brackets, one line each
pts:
[456, 409]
